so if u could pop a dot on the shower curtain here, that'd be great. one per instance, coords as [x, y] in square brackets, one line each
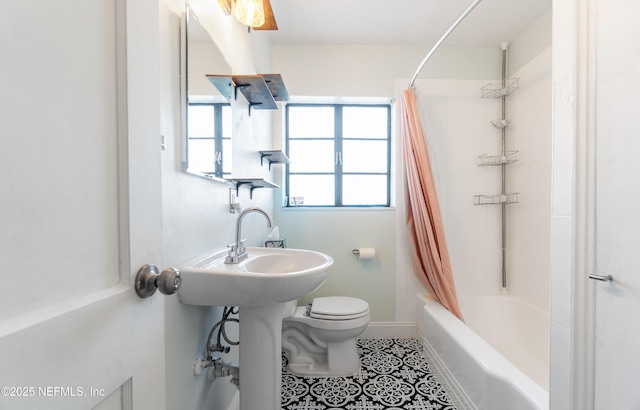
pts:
[431, 256]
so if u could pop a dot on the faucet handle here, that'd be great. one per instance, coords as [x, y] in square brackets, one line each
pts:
[236, 252]
[235, 245]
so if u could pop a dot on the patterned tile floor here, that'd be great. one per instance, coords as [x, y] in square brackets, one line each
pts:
[394, 375]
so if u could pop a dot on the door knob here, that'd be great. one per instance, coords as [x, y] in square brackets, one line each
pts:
[149, 279]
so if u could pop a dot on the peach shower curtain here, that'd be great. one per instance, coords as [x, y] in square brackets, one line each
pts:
[431, 256]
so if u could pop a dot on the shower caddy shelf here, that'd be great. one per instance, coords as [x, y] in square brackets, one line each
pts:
[501, 90]
[508, 158]
[496, 199]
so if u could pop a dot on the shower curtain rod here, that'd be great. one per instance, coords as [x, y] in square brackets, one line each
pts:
[444, 36]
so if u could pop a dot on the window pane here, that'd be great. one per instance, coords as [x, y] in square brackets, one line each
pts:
[226, 121]
[311, 122]
[201, 155]
[311, 156]
[227, 163]
[364, 190]
[364, 122]
[312, 189]
[201, 121]
[364, 156]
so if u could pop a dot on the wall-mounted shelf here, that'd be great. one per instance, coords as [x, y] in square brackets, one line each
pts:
[274, 157]
[501, 88]
[252, 183]
[255, 90]
[223, 83]
[509, 157]
[261, 90]
[499, 199]
[276, 86]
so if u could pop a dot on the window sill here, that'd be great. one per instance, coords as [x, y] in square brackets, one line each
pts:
[334, 208]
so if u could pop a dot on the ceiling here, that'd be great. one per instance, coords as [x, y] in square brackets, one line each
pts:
[408, 22]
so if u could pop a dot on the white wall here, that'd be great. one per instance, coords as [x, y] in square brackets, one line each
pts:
[205, 58]
[337, 233]
[196, 217]
[370, 70]
[530, 42]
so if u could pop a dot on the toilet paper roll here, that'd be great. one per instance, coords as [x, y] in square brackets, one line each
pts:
[367, 253]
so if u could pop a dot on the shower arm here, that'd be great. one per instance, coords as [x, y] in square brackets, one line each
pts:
[444, 36]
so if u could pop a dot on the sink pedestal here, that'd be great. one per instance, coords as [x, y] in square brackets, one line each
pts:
[261, 357]
[260, 285]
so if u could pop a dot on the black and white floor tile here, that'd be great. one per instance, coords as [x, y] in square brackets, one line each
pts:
[394, 375]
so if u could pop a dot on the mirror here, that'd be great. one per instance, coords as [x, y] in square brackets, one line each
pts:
[208, 113]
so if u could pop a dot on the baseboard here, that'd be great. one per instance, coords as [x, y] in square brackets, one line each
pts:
[382, 330]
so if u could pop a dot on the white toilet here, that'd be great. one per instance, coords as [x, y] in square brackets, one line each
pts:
[320, 339]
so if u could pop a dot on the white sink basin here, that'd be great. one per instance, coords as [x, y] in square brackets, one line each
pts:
[267, 276]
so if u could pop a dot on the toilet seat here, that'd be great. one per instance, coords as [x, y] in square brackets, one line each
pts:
[338, 308]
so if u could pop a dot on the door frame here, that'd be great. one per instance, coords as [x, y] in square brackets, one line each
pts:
[582, 341]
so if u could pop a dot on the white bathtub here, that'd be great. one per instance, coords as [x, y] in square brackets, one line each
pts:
[474, 373]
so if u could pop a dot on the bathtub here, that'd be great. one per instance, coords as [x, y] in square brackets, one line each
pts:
[475, 373]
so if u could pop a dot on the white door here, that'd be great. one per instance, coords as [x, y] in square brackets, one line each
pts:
[617, 331]
[80, 205]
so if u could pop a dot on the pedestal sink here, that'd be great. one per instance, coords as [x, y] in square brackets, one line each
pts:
[260, 286]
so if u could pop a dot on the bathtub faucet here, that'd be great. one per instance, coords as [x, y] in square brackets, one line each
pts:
[237, 250]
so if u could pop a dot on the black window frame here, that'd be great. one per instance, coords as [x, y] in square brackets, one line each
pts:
[338, 146]
[217, 138]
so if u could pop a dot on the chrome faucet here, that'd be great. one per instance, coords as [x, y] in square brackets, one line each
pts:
[237, 250]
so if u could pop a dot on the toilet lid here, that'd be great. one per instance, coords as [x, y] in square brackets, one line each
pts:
[338, 307]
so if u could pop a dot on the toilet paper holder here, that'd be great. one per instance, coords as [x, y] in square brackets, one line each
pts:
[364, 253]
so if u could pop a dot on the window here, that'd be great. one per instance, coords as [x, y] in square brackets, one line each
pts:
[209, 142]
[340, 155]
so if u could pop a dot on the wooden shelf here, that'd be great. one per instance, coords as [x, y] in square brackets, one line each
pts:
[274, 157]
[255, 90]
[223, 83]
[252, 183]
[276, 86]
[261, 90]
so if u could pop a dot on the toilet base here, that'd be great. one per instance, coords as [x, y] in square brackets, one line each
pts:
[341, 359]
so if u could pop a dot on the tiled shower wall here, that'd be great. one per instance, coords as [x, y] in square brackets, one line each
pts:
[529, 221]
[457, 125]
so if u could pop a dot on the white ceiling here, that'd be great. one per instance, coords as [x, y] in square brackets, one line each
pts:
[410, 22]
